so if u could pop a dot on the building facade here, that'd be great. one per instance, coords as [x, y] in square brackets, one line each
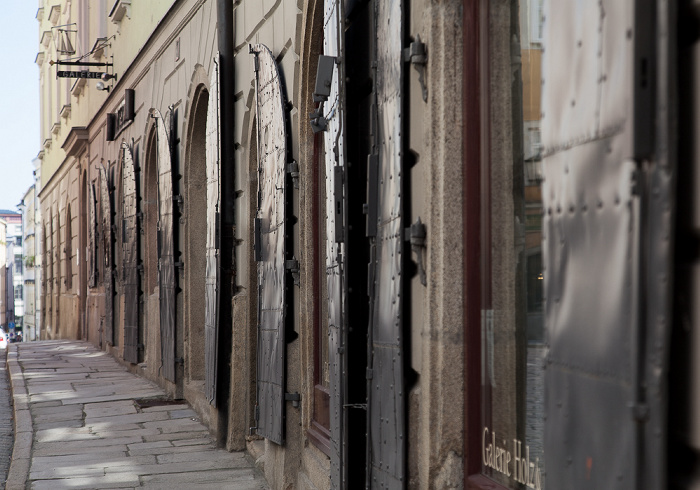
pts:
[322, 223]
[31, 221]
[171, 182]
[14, 279]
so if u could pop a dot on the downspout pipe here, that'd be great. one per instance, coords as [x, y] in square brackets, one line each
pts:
[228, 193]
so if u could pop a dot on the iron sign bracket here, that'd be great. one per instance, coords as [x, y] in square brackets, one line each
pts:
[293, 267]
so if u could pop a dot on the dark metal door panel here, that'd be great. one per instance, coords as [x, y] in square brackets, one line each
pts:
[166, 249]
[593, 196]
[129, 237]
[107, 251]
[335, 249]
[92, 238]
[386, 400]
[272, 155]
[211, 314]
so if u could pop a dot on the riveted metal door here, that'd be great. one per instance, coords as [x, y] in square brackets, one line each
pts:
[129, 239]
[385, 394]
[598, 133]
[106, 207]
[333, 112]
[270, 234]
[211, 313]
[92, 237]
[166, 249]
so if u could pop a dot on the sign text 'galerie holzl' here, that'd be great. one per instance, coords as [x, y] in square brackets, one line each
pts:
[514, 464]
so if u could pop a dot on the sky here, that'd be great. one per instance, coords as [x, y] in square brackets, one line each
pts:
[19, 99]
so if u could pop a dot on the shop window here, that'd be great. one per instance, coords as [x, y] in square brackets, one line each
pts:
[319, 431]
[506, 388]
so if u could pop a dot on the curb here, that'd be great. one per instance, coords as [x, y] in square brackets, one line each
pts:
[24, 432]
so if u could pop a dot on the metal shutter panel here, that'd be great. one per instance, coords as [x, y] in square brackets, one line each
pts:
[211, 314]
[272, 159]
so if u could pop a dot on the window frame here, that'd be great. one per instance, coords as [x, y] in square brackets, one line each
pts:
[475, 147]
[319, 429]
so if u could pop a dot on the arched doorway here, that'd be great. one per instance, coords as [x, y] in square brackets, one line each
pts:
[195, 235]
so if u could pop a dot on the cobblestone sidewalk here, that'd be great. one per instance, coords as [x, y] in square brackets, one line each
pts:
[83, 421]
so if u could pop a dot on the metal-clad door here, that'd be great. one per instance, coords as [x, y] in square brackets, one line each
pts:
[92, 237]
[386, 439]
[211, 313]
[166, 249]
[129, 237]
[597, 130]
[333, 112]
[107, 251]
[270, 245]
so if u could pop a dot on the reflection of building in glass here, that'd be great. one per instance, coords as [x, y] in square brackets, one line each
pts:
[531, 56]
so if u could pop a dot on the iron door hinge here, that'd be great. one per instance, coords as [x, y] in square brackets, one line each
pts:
[295, 398]
[318, 122]
[293, 267]
[417, 55]
[416, 235]
[293, 170]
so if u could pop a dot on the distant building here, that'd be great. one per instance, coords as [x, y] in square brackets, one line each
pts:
[28, 207]
[14, 279]
[3, 273]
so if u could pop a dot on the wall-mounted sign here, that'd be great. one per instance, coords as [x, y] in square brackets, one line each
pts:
[80, 74]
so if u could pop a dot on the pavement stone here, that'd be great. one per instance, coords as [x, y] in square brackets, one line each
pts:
[81, 427]
[6, 420]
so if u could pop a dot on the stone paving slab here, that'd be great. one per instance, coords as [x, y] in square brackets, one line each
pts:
[77, 405]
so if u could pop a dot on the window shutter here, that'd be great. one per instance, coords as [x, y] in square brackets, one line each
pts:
[386, 440]
[597, 212]
[108, 260]
[92, 242]
[130, 255]
[336, 257]
[272, 159]
[211, 314]
[166, 249]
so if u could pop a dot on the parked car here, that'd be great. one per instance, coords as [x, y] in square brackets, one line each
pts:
[3, 339]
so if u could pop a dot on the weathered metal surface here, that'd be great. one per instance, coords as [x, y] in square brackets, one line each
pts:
[108, 278]
[166, 249]
[385, 396]
[272, 155]
[591, 249]
[130, 255]
[92, 238]
[335, 262]
[211, 314]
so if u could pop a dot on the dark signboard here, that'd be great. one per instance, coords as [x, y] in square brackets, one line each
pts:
[80, 74]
